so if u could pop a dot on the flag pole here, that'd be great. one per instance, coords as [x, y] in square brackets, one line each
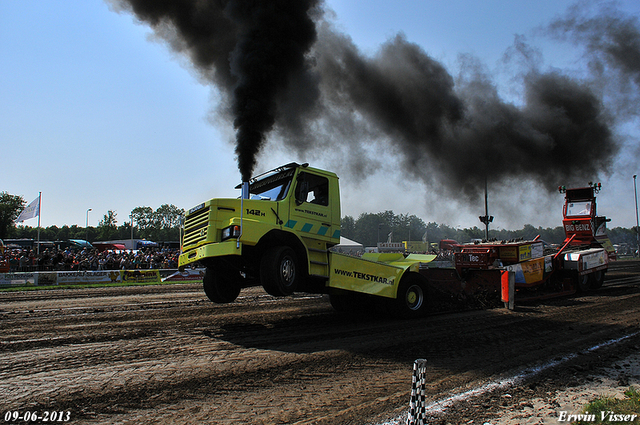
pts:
[39, 205]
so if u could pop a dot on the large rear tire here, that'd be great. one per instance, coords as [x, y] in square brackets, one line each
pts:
[279, 271]
[584, 282]
[411, 301]
[597, 279]
[221, 285]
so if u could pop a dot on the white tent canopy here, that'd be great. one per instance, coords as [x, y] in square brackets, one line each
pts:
[348, 246]
[348, 242]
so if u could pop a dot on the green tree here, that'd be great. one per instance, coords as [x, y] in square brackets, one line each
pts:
[145, 220]
[348, 227]
[408, 227]
[10, 208]
[621, 235]
[108, 226]
[469, 234]
[372, 228]
[369, 229]
[64, 233]
[168, 217]
[77, 232]
[159, 225]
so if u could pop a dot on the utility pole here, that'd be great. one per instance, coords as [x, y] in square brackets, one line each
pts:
[486, 218]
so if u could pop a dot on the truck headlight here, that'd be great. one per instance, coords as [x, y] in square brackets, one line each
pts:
[230, 232]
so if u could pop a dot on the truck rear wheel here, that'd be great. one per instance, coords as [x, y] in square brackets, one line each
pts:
[584, 282]
[221, 285]
[597, 279]
[279, 271]
[411, 300]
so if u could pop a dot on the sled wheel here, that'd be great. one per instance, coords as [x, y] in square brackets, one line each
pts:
[341, 303]
[411, 299]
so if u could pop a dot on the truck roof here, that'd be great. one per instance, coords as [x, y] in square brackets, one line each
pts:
[580, 193]
[285, 167]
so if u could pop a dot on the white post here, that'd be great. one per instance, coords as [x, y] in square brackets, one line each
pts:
[39, 206]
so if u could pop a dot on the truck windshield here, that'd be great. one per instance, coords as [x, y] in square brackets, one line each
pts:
[272, 187]
[579, 209]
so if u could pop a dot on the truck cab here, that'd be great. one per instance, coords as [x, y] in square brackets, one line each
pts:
[276, 234]
[582, 225]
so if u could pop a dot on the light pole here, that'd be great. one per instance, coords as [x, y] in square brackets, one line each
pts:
[486, 218]
[131, 217]
[86, 226]
[635, 191]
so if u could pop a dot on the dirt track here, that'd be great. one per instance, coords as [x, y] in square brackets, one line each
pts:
[164, 354]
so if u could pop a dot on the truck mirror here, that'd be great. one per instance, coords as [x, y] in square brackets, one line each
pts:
[302, 192]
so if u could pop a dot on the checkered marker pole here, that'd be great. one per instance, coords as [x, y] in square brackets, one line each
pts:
[417, 413]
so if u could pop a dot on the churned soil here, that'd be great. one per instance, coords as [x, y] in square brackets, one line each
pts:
[165, 354]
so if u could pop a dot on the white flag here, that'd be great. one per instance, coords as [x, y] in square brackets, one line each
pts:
[32, 210]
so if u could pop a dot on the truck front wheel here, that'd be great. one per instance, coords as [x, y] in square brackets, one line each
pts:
[411, 300]
[279, 271]
[221, 285]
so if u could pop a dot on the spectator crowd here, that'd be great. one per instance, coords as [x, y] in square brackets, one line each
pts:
[53, 259]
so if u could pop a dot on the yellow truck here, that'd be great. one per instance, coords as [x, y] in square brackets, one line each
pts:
[278, 234]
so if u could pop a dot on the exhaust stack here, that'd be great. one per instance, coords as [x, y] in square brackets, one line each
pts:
[244, 190]
[244, 194]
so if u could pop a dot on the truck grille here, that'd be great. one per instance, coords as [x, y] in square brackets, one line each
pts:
[195, 227]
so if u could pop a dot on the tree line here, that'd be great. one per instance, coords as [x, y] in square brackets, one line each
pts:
[163, 224]
[369, 229]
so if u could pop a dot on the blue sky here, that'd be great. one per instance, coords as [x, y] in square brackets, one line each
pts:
[98, 114]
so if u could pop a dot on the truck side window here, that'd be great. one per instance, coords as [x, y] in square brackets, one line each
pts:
[318, 188]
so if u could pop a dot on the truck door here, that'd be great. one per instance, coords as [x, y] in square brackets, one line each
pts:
[311, 212]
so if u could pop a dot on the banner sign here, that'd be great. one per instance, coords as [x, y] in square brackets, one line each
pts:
[86, 277]
[18, 279]
[79, 277]
[593, 260]
[140, 276]
[390, 247]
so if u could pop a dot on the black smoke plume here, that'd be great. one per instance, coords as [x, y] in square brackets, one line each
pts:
[612, 45]
[250, 49]
[286, 72]
[452, 133]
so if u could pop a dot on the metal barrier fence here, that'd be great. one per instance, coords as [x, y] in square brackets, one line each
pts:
[84, 277]
[75, 267]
